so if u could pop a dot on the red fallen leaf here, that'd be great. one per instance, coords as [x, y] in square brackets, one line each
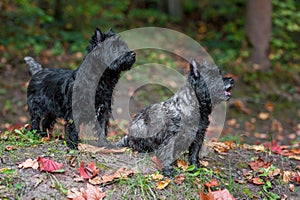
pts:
[274, 147]
[48, 165]
[88, 172]
[296, 178]
[259, 163]
[179, 179]
[213, 182]
[222, 195]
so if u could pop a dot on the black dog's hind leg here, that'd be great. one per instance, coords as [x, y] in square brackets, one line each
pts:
[48, 122]
[71, 135]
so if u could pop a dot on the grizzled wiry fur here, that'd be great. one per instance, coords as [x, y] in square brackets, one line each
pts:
[49, 94]
[170, 127]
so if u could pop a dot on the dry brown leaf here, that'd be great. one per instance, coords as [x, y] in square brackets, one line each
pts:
[253, 147]
[95, 181]
[29, 163]
[240, 106]
[219, 147]
[292, 187]
[163, 184]
[286, 176]
[179, 179]
[122, 172]
[273, 173]
[181, 164]
[259, 163]
[231, 122]
[90, 193]
[157, 162]
[203, 163]
[263, 115]
[157, 177]
[258, 181]
[208, 196]
[94, 149]
[222, 195]
[295, 157]
[10, 148]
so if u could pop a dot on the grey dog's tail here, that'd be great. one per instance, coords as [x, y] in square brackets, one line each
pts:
[33, 65]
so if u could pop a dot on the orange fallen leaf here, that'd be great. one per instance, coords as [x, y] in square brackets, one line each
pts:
[212, 183]
[181, 164]
[48, 165]
[258, 181]
[95, 181]
[259, 163]
[231, 122]
[222, 195]
[219, 147]
[163, 184]
[88, 172]
[294, 157]
[291, 187]
[179, 179]
[29, 163]
[253, 147]
[208, 196]
[269, 106]
[240, 106]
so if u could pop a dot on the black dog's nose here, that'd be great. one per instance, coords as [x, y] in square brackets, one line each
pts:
[132, 53]
[231, 81]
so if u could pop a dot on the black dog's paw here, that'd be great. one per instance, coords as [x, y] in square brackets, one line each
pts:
[169, 171]
[195, 163]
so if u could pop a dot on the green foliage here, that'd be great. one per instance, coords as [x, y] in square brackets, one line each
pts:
[286, 27]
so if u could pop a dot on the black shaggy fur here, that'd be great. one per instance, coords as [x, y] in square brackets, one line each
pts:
[49, 94]
[170, 127]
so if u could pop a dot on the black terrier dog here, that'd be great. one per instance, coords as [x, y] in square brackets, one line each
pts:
[170, 127]
[50, 93]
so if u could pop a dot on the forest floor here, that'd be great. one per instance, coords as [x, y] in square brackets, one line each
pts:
[248, 120]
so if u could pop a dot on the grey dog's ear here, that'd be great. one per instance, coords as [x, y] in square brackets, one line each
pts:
[194, 67]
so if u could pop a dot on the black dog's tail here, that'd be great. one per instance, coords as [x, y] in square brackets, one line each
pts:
[33, 65]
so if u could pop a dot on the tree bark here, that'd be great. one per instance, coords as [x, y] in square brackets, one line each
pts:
[175, 9]
[258, 31]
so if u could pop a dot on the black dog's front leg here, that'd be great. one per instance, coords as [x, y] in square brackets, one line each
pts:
[71, 135]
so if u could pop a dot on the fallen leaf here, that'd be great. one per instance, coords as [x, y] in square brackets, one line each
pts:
[157, 162]
[29, 163]
[95, 149]
[208, 196]
[181, 164]
[222, 195]
[286, 176]
[122, 172]
[157, 177]
[258, 181]
[179, 179]
[269, 106]
[163, 184]
[291, 187]
[212, 183]
[219, 147]
[9, 148]
[240, 106]
[95, 181]
[263, 116]
[249, 126]
[72, 160]
[274, 147]
[231, 122]
[294, 157]
[273, 173]
[203, 163]
[88, 172]
[259, 163]
[48, 165]
[90, 193]
[276, 126]
[253, 147]
[296, 177]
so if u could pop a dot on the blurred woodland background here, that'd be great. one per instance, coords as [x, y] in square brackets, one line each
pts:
[256, 41]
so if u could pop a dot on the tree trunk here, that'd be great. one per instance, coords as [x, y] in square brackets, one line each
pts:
[258, 31]
[175, 9]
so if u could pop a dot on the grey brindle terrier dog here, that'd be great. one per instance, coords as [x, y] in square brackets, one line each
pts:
[169, 128]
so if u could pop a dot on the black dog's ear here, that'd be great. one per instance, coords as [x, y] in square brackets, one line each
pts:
[194, 68]
[98, 37]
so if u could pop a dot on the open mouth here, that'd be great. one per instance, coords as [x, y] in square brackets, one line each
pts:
[228, 83]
